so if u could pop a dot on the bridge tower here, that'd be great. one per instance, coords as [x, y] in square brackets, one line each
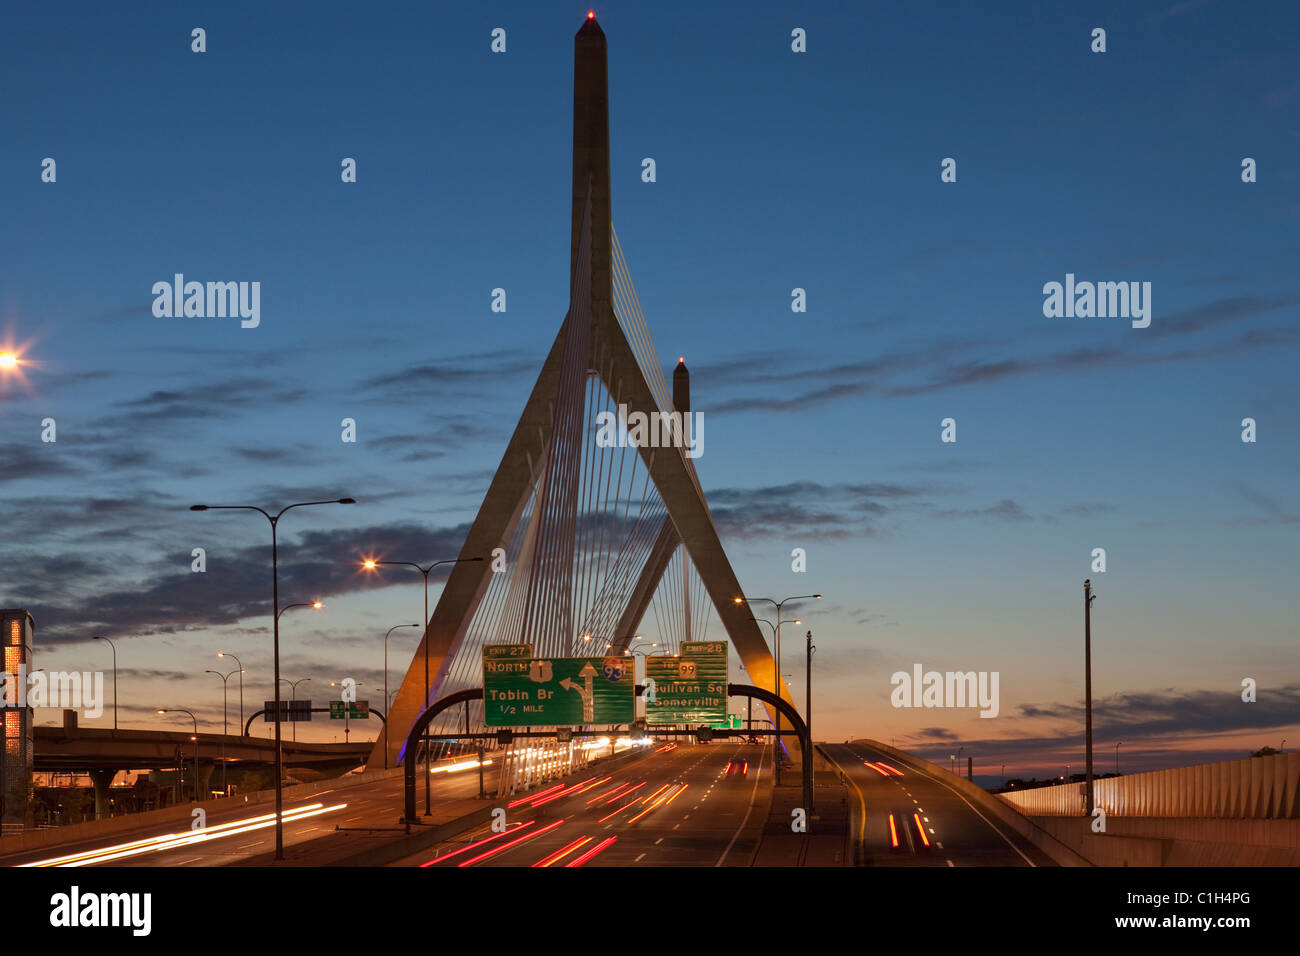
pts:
[535, 521]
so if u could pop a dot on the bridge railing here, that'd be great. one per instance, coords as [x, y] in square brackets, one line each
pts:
[1259, 788]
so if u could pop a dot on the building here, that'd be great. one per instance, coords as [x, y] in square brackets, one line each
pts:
[16, 764]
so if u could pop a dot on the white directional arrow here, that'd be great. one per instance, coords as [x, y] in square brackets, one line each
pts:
[588, 674]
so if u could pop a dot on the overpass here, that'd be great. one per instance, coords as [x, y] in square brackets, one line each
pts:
[104, 752]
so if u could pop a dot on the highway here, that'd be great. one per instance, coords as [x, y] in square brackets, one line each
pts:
[901, 817]
[675, 807]
[244, 832]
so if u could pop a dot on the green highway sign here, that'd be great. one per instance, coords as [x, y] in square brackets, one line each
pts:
[507, 651]
[733, 722]
[557, 691]
[688, 688]
[357, 710]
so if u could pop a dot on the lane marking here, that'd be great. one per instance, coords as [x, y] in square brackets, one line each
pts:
[986, 820]
[862, 825]
[750, 809]
[639, 858]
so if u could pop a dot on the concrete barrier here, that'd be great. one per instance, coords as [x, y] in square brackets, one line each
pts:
[1180, 841]
[1261, 788]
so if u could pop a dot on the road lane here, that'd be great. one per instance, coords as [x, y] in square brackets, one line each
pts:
[675, 807]
[932, 824]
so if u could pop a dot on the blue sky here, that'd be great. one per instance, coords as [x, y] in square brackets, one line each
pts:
[775, 170]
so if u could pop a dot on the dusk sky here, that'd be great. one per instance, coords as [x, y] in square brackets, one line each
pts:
[776, 170]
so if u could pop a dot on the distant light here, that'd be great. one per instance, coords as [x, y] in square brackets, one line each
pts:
[368, 564]
[318, 605]
[681, 360]
[8, 360]
[591, 14]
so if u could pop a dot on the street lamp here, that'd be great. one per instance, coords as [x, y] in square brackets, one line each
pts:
[275, 606]
[241, 686]
[631, 649]
[1117, 745]
[1088, 598]
[98, 637]
[959, 750]
[776, 672]
[370, 564]
[390, 631]
[293, 695]
[225, 726]
[182, 710]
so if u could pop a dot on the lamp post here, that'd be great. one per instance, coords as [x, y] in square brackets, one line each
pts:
[370, 564]
[182, 710]
[1117, 746]
[293, 695]
[632, 652]
[390, 631]
[1088, 598]
[241, 683]
[275, 605]
[294, 684]
[98, 637]
[225, 726]
[807, 699]
[776, 640]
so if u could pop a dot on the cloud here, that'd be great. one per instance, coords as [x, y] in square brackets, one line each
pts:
[1178, 9]
[805, 508]
[1004, 510]
[200, 401]
[1168, 713]
[166, 597]
[472, 376]
[957, 364]
[937, 733]
[1220, 312]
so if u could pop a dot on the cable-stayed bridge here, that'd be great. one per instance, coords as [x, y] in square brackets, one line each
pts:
[589, 535]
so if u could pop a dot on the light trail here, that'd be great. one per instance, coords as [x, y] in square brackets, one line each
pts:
[598, 848]
[627, 793]
[561, 853]
[515, 842]
[465, 849]
[608, 793]
[170, 841]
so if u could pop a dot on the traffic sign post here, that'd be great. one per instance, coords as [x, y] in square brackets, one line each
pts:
[689, 688]
[523, 691]
[289, 710]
